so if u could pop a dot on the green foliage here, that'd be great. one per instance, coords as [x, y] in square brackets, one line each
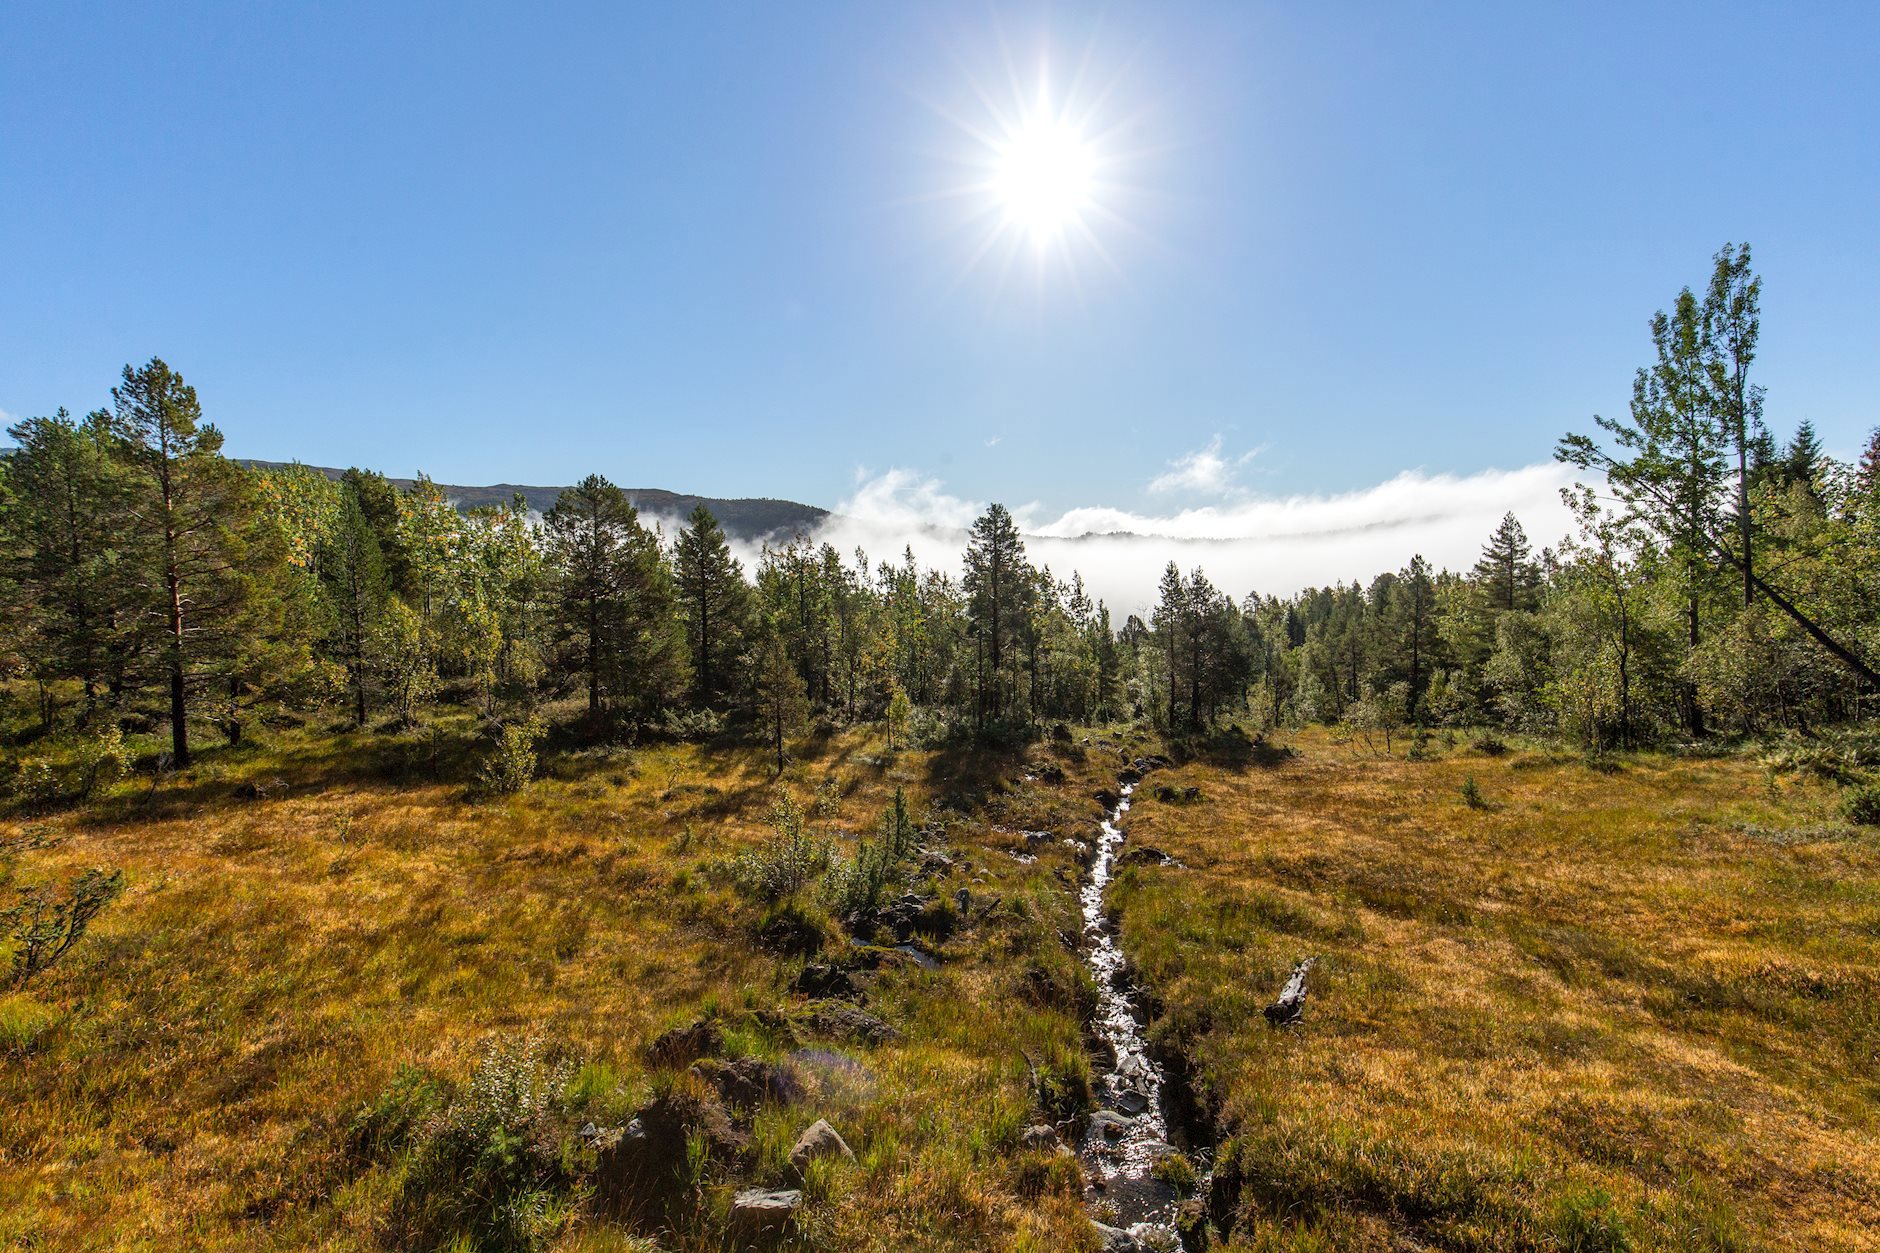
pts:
[43, 927]
[789, 861]
[103, 759]
[1472, 794]
[1861, 804]
[510, 766]
[488, 1168]
[854, 885]
[395, 1118]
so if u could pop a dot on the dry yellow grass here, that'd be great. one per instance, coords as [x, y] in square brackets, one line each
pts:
[1608, 1009]
[303, 920]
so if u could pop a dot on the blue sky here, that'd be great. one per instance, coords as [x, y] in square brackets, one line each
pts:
[705, 247]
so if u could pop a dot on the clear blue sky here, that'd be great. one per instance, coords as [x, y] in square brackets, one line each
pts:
[697, 247]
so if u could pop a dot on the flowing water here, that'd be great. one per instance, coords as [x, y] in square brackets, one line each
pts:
[1130, 1131]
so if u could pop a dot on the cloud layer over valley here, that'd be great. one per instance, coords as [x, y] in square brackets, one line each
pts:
[1275, 545]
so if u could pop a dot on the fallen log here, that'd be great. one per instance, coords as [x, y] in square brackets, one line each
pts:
[1291, 1004]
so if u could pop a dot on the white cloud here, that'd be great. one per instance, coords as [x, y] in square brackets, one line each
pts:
[1271, 544]
[1204, 472]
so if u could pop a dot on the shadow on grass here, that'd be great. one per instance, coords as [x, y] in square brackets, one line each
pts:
[1229, 748]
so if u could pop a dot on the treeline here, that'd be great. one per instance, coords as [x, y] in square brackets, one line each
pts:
[1720, 580]
[151, 576]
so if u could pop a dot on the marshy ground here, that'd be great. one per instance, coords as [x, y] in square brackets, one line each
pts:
[1623, 1006]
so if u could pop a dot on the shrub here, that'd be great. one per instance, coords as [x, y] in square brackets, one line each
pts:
[43, 928]
[34, 784]
[103, 759]
[511, 764]
[1489, 745]
[386, 1126]
[489, 1164]
[1472, 795]
[1861, 805]
[692, 724]
[789, 861]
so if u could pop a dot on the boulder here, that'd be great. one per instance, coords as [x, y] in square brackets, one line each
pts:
[760, 1215]
[1109, 1125]
[818, 1140]
[1116, 1240]
[1039, 1136]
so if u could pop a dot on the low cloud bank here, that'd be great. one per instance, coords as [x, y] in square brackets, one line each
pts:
[1272, 545]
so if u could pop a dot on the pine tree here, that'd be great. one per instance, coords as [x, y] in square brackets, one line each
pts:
[353, 571]
[1867, 474]
[715, 600]
[999, 590]
[1506, 574]
[782, 700]
[60, 536]
[614, 598]
[1732, 324]
[189, 505]
[1802, 461]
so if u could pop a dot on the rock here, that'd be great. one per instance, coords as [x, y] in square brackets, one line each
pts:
[1131, 1101]
[1039, 1136]
[935, 864]
[791, 936]
[1146, 855]
[1109, 1125]
[1106, 798]
[850, 1023]
[684, 1045]
[1116, 1240]
[821, 980]
[757, 1214]
[818, 1140]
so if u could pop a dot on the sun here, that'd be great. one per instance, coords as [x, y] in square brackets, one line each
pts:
[1044, 176]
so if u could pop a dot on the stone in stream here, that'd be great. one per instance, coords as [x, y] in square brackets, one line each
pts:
[1039, 1136]
[1116, 1240]
[819, 1139]
[1132, 1101]
[1109, 1124]
[757, 1214]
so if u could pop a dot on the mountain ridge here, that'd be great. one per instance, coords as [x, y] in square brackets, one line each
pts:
[748, 518]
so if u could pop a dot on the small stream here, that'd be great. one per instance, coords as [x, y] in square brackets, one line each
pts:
[1130, 1131]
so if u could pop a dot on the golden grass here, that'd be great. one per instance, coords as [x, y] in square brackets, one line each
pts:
[1646, 995]
[299, 923]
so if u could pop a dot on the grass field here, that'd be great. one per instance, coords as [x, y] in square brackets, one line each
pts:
[1618, 1008]
[1631, 1006]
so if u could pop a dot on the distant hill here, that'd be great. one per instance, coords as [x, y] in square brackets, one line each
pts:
[747, 519]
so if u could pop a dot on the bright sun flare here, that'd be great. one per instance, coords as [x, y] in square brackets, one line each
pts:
[1044, 177]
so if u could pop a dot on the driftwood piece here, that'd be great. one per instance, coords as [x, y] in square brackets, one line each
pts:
[1291, 1004]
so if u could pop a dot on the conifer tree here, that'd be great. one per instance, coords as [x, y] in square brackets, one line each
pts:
[1506, 574]
[189, 506]
[999, 589]
[715, 601]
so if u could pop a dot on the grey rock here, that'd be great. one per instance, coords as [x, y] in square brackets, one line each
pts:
[818, 1140]
[1116, 1240]
[755, 1212]
[1039, 1136]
